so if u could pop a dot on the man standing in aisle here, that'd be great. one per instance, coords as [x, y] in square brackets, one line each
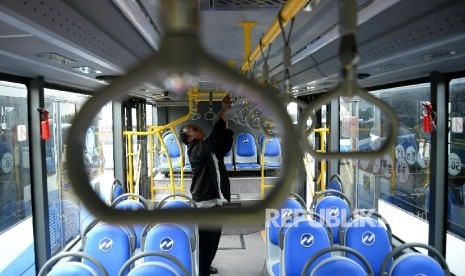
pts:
[209, 178]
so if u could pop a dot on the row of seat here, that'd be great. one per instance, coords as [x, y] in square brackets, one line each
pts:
[137, 249]
[244, 156]
[299, 241]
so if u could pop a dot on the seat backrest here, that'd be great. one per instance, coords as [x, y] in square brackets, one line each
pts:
[272, 151]
[191, 229]
[275, 221]
[272, 146]
[335, 183]
[368, 236]
[333, 209]
[173, 151]
[173, 240]
[245, 148]
[117, 189]
[110, 244]
[172, 145]
[132, 205]
[415, 263]
[301, 241]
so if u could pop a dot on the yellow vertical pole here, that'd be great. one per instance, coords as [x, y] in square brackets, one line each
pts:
[247, 25]
[130, 164]
[182, 158]
[323, 162]
[151, 150]
[393, 174]
[262, 164]
[170, 165]
[322, 177]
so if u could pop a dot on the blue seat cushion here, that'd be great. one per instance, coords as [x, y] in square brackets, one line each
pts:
[247, 166]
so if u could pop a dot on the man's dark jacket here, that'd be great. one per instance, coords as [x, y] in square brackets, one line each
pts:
[204, 180]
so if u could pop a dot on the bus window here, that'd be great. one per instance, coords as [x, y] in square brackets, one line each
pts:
[395, 185]
[455, 241]
[65, 212]
[15, 187]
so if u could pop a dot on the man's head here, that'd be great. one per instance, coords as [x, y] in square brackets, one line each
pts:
[190, 133]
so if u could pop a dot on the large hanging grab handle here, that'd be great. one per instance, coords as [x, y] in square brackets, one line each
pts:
[180, 56]
[348, 88]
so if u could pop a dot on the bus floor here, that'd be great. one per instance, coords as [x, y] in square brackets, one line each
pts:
[241, 252]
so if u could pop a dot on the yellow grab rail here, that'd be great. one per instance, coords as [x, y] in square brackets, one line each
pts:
[289, 10]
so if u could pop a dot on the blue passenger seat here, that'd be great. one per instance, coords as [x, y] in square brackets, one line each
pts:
[367, 232]
[414, 263]
[335, 183]
[111, 245]
[172, 239]
[173, 152]
[271, 152]
[272, 226]
[191, 229]
[334, 207]
[130, 204]
[116, 190]
[301, 240]
[245, 152]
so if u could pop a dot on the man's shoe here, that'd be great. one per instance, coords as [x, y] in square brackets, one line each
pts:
[213, 270]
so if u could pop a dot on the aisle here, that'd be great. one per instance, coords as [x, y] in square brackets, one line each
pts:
[240, 253]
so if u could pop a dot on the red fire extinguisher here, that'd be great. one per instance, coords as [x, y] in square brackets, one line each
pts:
[44, 124]
[428, 119]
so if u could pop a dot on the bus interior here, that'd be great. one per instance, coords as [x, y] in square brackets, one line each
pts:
[353, 99]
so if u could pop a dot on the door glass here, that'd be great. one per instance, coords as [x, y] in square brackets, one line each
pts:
[16, 235]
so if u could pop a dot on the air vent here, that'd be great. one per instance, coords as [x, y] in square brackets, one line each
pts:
[56, 58]
[326, 83]
[242, 4]
[435, 55]
[387, 68]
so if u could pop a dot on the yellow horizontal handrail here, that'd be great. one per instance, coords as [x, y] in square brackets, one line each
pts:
[289, 10]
